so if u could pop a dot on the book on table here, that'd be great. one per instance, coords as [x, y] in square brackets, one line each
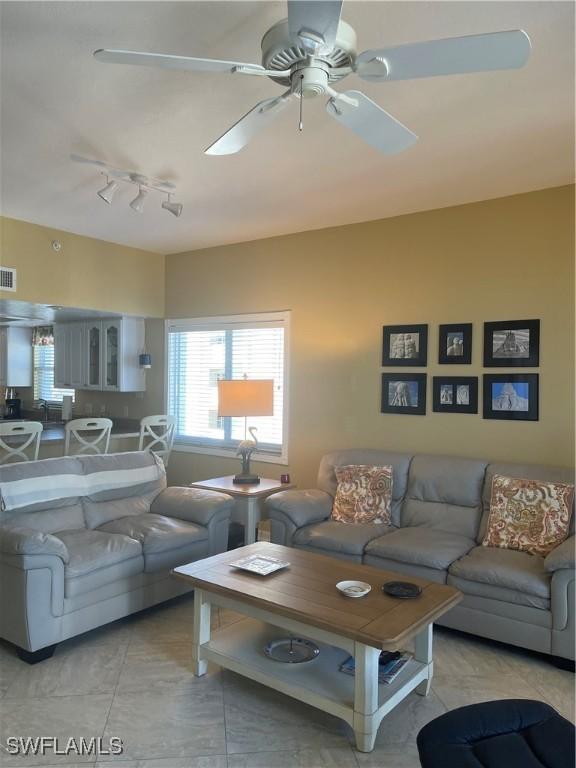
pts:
[390, 664]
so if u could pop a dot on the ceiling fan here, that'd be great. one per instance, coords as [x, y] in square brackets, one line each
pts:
[313, 48]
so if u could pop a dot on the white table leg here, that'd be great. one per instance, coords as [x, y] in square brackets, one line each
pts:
[200, 632]
[423, 653]
[248, 513]
[365, 695]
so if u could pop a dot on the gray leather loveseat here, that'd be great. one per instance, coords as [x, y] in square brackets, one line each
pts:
[440, 506]
[86, 540]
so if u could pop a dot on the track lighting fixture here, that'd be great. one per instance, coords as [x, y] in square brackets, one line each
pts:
[108, 192]
[138, 203]
[174, 208]
[145, 185]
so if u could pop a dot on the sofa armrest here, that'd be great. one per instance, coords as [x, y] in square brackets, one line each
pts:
[192, 504]
[26, 541]
[561, 557]
[301, 507]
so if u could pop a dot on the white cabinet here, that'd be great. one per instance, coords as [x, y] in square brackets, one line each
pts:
[100, 354]
[15, 357]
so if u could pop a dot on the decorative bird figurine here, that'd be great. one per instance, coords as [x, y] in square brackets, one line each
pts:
[245, 449]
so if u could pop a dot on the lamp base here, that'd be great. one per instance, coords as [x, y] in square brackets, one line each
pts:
[246, 479]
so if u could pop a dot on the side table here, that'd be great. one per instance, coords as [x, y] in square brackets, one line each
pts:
[248, 499]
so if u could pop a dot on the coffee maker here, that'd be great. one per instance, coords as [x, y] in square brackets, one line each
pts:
[13, 405]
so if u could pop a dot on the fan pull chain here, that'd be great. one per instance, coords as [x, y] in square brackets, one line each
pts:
[301, 123]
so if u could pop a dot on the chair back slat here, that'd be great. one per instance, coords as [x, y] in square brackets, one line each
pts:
[87, 436]
[24, 441]
[157, 435]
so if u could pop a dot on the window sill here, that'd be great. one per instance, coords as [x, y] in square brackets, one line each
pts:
[227, 453]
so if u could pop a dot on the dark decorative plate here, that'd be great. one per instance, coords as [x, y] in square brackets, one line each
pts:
[404, 590]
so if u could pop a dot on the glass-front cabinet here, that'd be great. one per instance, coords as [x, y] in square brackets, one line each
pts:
[94, 355]
[112, 354]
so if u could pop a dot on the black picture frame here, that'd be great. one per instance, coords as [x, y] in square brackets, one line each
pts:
[390, 340]
[419, 379]
[440, 395]
[527, 387]
[448, 352]
[513, 334]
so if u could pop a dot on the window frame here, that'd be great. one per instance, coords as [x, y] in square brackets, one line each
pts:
[216, 323]
[68, 390]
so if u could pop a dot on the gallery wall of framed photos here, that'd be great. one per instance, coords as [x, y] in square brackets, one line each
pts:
[510, 396]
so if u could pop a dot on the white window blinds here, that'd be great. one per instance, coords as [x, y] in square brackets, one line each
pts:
[44, 388]
[202, 351]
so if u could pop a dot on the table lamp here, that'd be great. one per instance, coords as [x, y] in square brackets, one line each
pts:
[246, 397]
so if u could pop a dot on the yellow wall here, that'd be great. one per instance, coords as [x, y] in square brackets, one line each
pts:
[504, 259]
[86, 273]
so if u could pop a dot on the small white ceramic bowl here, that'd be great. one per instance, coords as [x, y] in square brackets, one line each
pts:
[353, 588]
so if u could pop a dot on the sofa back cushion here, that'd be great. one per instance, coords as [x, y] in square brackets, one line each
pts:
[120, 484]
[444, 493]
[524, 471]
[38, 486]
[400, 462]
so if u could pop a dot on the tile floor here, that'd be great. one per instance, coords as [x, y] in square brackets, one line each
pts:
[133, 680]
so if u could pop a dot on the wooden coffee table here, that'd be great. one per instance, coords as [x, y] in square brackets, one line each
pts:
[303, 601]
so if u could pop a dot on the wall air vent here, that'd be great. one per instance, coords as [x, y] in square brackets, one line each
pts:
[7, 279]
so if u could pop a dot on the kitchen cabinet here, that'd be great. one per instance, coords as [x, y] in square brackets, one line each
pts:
[15, 356]
[100, 354]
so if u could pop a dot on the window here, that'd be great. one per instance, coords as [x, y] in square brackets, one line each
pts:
[44, 388]
[204, 350]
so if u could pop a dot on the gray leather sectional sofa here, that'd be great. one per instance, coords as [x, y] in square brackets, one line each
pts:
[440, 506]
[86, 540]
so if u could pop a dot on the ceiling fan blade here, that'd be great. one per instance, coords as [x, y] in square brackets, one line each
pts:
[369, 121]
[314, 23]
[451, 56]
[168, 61]
[248, 126]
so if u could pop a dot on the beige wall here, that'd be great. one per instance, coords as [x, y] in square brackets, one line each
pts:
[504, 259]
[86, 273]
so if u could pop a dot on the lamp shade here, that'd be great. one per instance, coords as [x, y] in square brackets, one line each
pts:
[246, 397]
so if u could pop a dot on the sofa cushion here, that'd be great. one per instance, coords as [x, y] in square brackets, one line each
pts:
[97, 558]
[98, 513]
[66, 518]
[503, 595]
[421, 546]
[339, 537]
[528, 471]
[363, 494]
[91, 550]
[444, 493]
[157, 533]
[528, 515]
[399, 462]
[504, 568]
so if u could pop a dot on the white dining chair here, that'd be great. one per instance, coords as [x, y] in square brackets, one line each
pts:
[87, 436]
[24, 441]
[157, 435]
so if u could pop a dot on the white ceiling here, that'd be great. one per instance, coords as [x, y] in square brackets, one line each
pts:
[481, 136]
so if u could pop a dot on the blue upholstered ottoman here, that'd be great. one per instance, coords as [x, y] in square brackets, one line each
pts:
[515, 733]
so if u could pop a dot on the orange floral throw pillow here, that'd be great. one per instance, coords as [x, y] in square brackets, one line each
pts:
[363, 494]
[528, 515]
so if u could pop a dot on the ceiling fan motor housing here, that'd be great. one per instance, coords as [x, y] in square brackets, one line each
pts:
[281, 52]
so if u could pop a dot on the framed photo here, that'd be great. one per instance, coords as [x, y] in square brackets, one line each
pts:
[455, 394]
[511, 396]
[405, 345]
[455, 344]
[512, 344]
[404, 393]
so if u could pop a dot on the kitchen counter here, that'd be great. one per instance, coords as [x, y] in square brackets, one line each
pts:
[53, 432]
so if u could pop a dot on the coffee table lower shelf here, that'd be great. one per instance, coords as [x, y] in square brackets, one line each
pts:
[355, 699]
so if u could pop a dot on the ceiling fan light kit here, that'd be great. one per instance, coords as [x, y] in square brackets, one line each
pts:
[313, 49]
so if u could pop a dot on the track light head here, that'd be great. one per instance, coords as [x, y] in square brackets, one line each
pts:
[108, 192]
[138, 203]
[174, 208]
